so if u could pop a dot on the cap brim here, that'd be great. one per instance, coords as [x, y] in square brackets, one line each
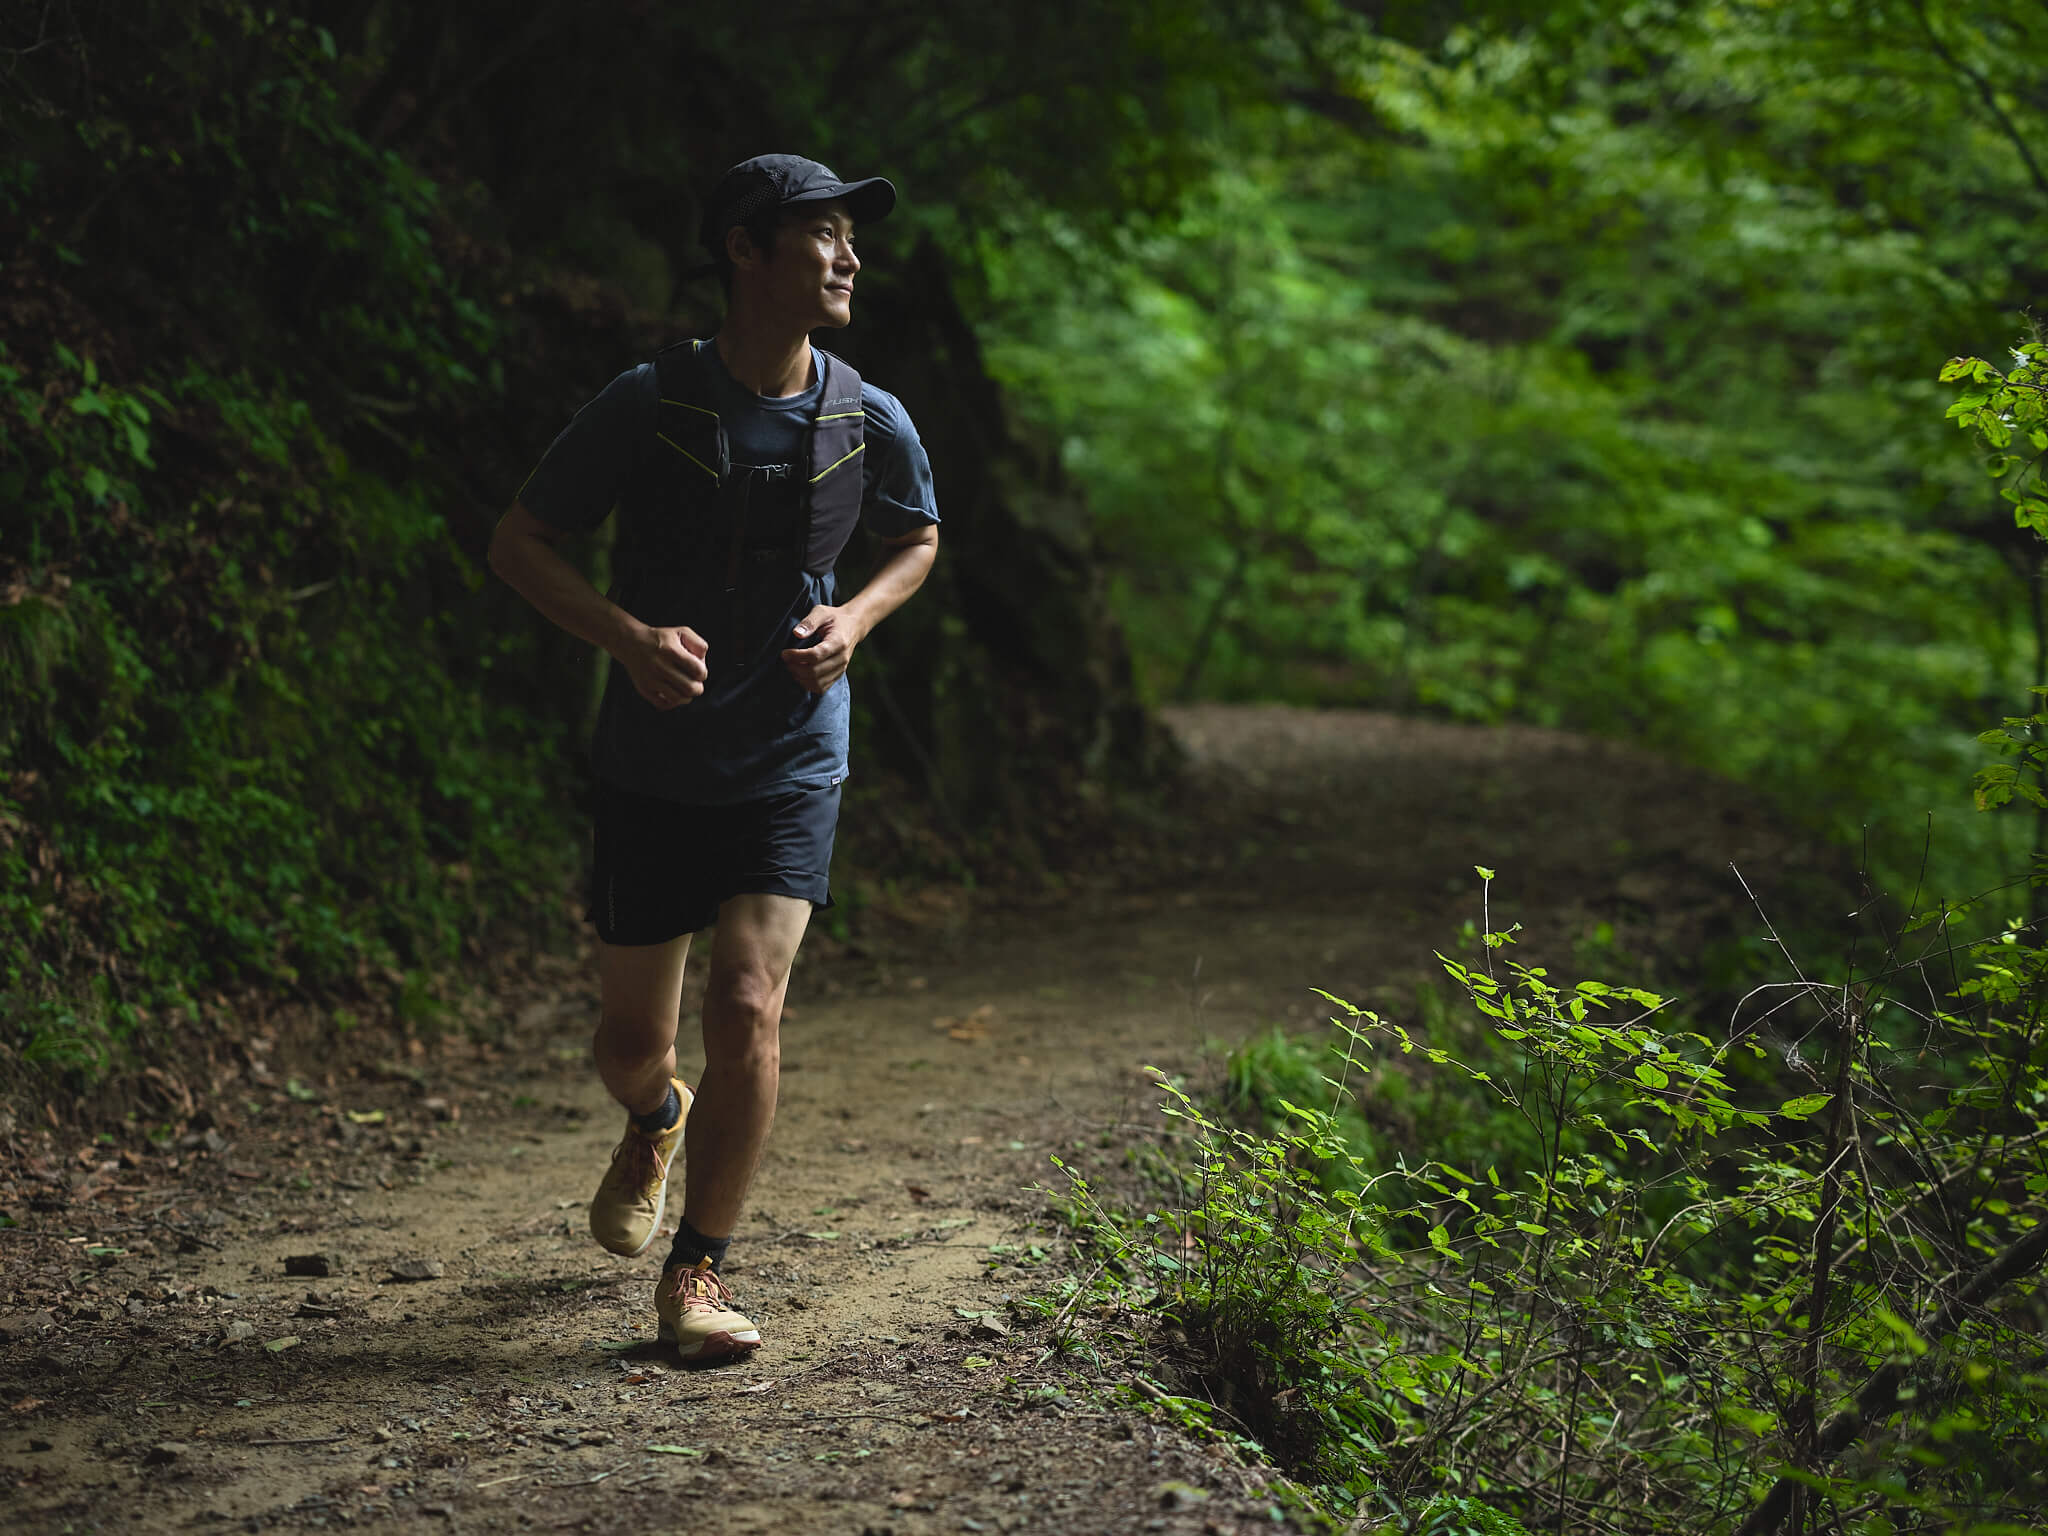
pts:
[868, 201]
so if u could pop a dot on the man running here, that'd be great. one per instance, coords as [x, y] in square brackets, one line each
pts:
[740, 466]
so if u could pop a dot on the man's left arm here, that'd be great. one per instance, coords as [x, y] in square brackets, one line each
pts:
[823, 660]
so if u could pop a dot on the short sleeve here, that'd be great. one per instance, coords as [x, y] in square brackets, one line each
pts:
[898, 497]
[579, 479]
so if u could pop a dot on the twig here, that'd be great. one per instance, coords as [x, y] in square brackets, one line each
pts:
[183, 1234]
[585, 1482]
[821, 1418]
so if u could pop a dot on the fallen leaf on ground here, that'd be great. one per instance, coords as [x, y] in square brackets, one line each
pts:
[759, 1386]
[974, 1026]
[366, 1116]
[407, 1270]
[976, 1362]
[27, 1405]
[675, 1450]
[279, 1346]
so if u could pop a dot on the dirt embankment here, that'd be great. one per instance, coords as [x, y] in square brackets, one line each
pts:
[459, 1355]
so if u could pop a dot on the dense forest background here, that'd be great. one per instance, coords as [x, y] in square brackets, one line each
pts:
[1571, 363]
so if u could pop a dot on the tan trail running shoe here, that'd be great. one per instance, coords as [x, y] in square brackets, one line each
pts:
[697, 1316]
[626, 1211]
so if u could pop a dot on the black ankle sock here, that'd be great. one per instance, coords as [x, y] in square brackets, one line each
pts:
[654, 1122]
[691, 1245]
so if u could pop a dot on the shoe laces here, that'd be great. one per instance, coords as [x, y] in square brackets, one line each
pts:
[638, 1160]
[699, 1286]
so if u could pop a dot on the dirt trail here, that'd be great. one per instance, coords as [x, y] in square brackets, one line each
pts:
[145, 1294]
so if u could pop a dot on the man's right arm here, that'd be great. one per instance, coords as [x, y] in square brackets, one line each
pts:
[667, 666]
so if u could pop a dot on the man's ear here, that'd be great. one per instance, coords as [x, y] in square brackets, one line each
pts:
[741, 249]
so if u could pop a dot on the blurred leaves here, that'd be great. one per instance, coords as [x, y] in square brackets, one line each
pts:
[1576, 370]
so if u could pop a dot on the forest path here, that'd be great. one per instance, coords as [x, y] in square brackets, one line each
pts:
[897, 1218]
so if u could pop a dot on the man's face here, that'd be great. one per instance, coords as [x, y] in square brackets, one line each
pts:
[808, 276]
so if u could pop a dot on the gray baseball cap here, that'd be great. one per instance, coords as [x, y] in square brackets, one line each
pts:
[783, 181]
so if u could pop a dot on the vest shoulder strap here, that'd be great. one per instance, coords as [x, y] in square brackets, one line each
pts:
[685, 420]
[839, 432]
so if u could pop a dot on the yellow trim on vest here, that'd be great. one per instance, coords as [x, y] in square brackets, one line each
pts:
[842, 416]
[821, 474]
[679, 448]
[689, 407]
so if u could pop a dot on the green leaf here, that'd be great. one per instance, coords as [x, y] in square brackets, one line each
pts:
[1652, 1077]
[1806, 1104]
[279, 1346]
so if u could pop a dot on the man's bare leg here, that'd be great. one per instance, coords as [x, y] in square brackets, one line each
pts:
[635, 1051]
[751, 954]
[750, 958]
[635, 1043]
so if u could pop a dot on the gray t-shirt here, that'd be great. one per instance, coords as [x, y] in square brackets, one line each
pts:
[753, 732]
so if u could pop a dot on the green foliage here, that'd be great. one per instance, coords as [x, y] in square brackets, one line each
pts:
[1575, 373]
[2007, 410]
[1802, 1265]
[251, 736]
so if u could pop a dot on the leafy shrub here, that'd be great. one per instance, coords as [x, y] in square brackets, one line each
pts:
[1807, 1288]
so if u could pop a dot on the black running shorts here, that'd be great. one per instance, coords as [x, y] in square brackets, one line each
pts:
[662, 869]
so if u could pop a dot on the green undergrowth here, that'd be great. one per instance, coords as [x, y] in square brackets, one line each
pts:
[258, 729]
[1666, 1280]
[251, 747]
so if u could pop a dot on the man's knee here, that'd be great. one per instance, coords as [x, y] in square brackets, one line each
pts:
[745, 999]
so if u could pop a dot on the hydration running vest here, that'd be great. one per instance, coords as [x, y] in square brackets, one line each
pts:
[830, 495]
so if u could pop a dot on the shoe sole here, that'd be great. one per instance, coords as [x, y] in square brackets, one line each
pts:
[715, 1346]
[660, 1194]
